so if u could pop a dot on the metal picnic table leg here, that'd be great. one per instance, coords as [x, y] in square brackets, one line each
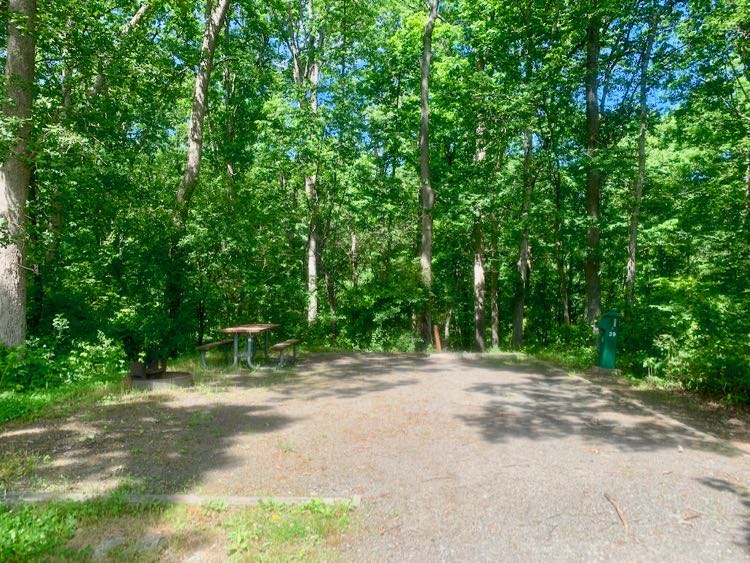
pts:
[236, 350]
[265, 349]
[250, 351]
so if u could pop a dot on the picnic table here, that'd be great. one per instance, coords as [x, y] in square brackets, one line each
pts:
[251, 331]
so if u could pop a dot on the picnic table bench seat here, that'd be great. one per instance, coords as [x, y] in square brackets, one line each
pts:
[210, 346]
[281, 348]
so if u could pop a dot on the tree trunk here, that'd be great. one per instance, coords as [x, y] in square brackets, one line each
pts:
[427, 194]
[447, 329]
[307, 73]
[494, 307]
[478, 285]
[593, 174]
[478, 242]
[214, 21]
[311, 191]
[331, 293]
[640, 182]
[215, 17]
[15, 171]
[229, 91]
[354, 256]
[524, 253]
[494, 278]
[559, 259]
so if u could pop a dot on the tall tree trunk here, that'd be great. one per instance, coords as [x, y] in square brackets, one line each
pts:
[331, 293]
[494, 307]
[640, 182]
[427, 194]
[15, 171]
[494, 278]
[593, 174]
[559, 258]
[215, 18]
[478, 244]
[311, 191]
[524, 254]
[354, 255]
[229, 90]
[306, 74]
[447, 328]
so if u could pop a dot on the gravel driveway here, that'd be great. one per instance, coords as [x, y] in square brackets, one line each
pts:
[456, 458]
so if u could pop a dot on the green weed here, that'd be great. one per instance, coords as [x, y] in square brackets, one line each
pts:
[275, 532]
[16, 465]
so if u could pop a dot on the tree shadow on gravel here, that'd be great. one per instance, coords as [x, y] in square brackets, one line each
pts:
[149, 443]
[743, 495]
[345, 376]
[548, 405]
[164, 443]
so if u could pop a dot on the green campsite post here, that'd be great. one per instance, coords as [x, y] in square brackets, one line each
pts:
[608, 327]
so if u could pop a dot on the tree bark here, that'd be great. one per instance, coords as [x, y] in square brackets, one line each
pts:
[15, 171]
[307, 74]
[215, 18]
[559, 258]
[494, 278]
[641, 180]
[494, 307]
[331, 293]
[354, 255]
[593, 174]
[311, 191]
[427, 194]
[478, 285]
[478, 244]
[447, 329]
[229, 91]
[524, 253]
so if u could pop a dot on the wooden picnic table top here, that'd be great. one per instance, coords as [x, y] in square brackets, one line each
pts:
[249, 329]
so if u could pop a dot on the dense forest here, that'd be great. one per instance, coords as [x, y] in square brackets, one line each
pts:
[361, 171]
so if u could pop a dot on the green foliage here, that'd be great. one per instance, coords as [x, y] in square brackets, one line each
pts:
[280, 532]
[43, 364]
[28, 531]
[33, 532]
[111, 275]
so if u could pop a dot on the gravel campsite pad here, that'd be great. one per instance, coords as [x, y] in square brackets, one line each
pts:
[455, 457]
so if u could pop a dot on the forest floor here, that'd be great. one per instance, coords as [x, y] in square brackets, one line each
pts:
[455, 457]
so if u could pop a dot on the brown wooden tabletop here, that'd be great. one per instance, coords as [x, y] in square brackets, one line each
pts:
[249, 329]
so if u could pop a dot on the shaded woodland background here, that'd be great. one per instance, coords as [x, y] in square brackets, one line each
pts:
[583, 156]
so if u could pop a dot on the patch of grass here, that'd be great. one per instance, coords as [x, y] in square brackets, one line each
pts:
[655, 382]
[16, 465]
[57, 402]
[578, 359]
[76, 530]
[274, 532]
[199, 418]
[284, 445]
[42, 531]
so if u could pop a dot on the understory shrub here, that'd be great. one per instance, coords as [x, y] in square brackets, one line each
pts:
[45, 370]
[41, 364]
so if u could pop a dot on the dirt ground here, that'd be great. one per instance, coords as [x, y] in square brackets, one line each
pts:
[456, 457]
